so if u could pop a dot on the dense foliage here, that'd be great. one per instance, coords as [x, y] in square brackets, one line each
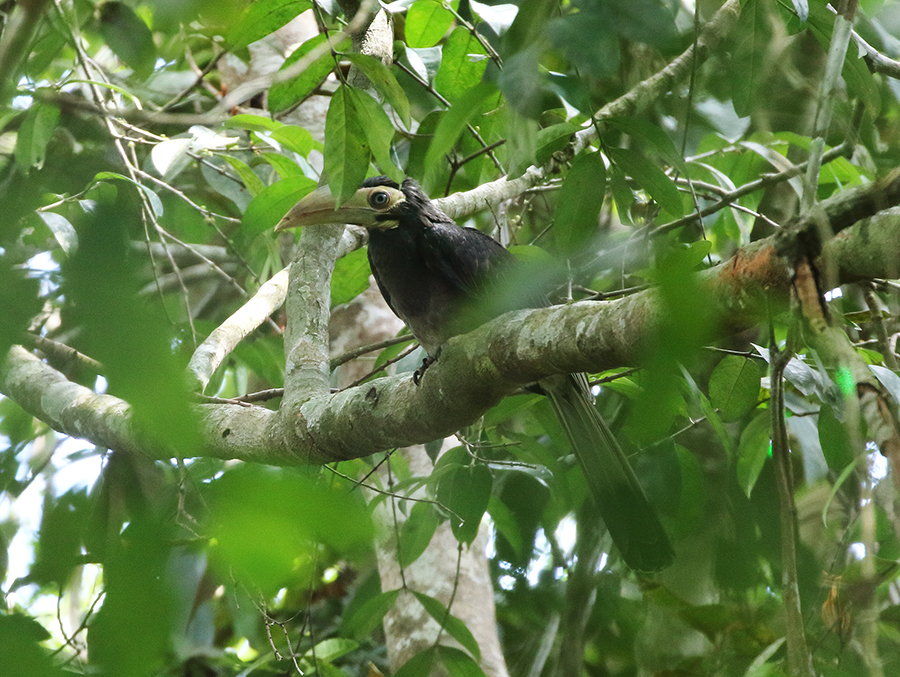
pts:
[147, 149]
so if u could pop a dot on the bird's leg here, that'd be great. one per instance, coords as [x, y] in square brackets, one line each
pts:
[426, 362]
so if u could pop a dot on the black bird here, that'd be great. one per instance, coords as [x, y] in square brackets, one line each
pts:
[444, 280]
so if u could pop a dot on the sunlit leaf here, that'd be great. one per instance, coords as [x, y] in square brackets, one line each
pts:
[384, 81]
[266, 209]
[462, 64]
[734, 386]
[346, 148]
[283, 95]
[426, 22]
[263, 17]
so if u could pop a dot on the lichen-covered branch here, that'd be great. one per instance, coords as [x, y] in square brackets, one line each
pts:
[475, 371]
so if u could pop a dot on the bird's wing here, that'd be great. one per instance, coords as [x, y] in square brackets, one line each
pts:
[472, 261]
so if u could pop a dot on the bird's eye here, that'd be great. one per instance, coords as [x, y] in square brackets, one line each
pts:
[379, 199]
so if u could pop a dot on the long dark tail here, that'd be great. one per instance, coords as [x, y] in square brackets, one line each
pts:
[632, 522]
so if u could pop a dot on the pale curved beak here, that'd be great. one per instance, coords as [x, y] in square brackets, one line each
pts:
[320, 208]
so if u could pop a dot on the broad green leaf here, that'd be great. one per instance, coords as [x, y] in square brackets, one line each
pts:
[269, 524]
[575, 220]
[463, 62]
[466, 491]
[551, 139]
[378, 130]
[734, 386]
[294, 138]
[426, 23]
[285, 167]
[331, 649]
[649, 177]
[418, 665]
[652, 134]
[350, 278]
[454, 627]
[346, 148]
[62, 230]
[451, 125]
[835, 440]
[128, 37]
[132, 339]
[253, 183]
[263, 17]
[34, 135]
[283, 95]
[753, 450]
[752, 36]
[253, 123]
[266, 209]
[417, 533]
[369, 615]
[384, 81]
[58, 549]
[458, 663]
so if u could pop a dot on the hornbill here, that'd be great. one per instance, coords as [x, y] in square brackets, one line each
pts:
[443, 280]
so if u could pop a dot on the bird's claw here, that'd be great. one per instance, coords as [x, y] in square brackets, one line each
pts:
[426, 362]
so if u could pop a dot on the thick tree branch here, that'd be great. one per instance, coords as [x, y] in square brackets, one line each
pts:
[475, 371]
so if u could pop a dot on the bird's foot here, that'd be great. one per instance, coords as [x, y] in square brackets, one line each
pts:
[426, 362]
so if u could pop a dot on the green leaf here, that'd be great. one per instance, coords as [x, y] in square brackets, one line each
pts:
[454, 627]
[62, 230]
[263, 17]
[378, 130]
[753, 450]
[426, 23]
[294, 138]
[266, 209]
[253, 123]
[463, 61]
[551, 139]
[505, 522]
[418, 665]
[417, 533]
[283, 95]
[652, 134]
[752, 37]
[575, 220]
[384, 81]
[650, 177]
[249, 178]
[285, 167]
[128, 37]
[835, 440]
[350, 278]
[346, 149]
[331, 649]
[369, 615]
[34, 135]
[734, 386]
[459, 663]
[451, 125]
[268, 524]
[20, 651]
[466, 490]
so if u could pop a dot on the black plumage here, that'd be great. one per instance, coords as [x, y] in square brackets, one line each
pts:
[444, 280]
